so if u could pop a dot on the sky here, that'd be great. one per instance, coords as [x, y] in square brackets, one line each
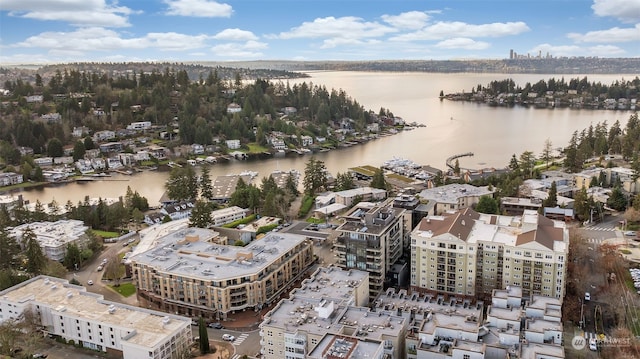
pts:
[55, 31]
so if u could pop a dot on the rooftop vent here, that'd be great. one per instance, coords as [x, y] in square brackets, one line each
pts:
[69, 294]
[112, 309]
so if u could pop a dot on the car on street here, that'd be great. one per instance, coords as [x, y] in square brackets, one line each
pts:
[216, 326]
[100, 267]
[593, 344]
[228, 337]
[39, 355]
[90, 282]
[587, 296]
[630, 233]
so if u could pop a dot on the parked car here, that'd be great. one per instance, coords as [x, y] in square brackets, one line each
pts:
[39, 355]
[593, 344]
[630, 233]
[90, 282]
[99, 268]
[587, 296]
[228, 337]
[216, 326]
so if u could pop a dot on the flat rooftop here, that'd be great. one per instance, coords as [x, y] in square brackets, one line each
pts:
[345, 347]
[332, 283]
[77, 302]
[54, 234]
[504, 313]
[452, 192]
[536, 351]
[189, 252]
[541, 325]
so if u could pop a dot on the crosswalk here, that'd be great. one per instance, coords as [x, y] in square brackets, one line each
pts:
[240, 339]
[600, 229]
[589, 335]
[594, 240]
[236, 356]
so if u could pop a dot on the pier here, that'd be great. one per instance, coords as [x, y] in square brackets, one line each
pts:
[450, 163]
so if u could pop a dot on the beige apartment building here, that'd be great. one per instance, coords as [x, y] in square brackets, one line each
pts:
[470, 254]
[371, 239]
[187, 272]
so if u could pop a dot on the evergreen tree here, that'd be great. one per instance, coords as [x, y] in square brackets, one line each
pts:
[9, 250]
[617, 199]
[315, 176]
[72, 257]
[78, 150]
[36, 260]
[201, 215]
[204, 337]
[547, 151]
[552, 199]
[456, 168]
[206, 187]
[486, 204]
[378, 180]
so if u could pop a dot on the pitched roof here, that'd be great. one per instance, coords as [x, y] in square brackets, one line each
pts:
[458, 224]
[545, 233]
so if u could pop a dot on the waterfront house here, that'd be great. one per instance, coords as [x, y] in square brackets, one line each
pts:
[197, 149]
[113, 163]
[65, 160]
[306, 140]
[84, 166]
[141, 155]
[277, 143]
[10, 178]
[233, 144]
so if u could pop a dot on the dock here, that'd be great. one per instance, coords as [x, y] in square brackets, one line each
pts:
[450, 163]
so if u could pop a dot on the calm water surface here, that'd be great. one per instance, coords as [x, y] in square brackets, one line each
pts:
[493, 134]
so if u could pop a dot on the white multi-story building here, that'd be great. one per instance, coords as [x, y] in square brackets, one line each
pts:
[72, 313]
[227, 215]
[186, 271]
[470, 254]
[54, 237]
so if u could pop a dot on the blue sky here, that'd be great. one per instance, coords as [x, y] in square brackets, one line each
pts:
[51, 31]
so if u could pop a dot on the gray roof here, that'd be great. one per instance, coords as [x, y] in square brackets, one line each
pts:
[190, 252]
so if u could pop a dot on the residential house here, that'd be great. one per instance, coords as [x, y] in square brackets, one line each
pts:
[233, 144]
[10, 178]
[233, 108]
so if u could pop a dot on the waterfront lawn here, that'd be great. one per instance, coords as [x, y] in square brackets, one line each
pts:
[105, 234]
[256, 148]
[124, 289]
[22, 185]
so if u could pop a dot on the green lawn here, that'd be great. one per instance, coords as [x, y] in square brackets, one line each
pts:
[105, 234]
[256, 148]
[125, 289]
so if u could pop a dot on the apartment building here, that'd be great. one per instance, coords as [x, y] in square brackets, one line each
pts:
[185, 271]
[72, 313]
[470, 254]
[327, 318]
[371, 239]
[54, 237]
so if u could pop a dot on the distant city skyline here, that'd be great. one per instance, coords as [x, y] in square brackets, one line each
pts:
[54, 31]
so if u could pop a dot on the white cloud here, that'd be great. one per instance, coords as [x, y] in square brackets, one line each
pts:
[101, 39]
[348, 27]
[624, 10]
[462, 43]
[575, 50]
[249, 49]
[444, 30]
[198, 8]
[235, 35]
[75, 12]
[615, 34]
[412, 20]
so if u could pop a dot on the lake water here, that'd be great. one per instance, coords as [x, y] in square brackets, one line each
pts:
[493, 134]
